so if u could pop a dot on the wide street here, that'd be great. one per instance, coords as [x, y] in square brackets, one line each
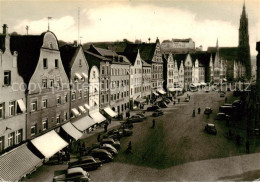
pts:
[178, 138]
[177, 148]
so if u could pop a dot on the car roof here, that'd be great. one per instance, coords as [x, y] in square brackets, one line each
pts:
[221, 113]
[75, 170]
[210, 124]
[87, 157]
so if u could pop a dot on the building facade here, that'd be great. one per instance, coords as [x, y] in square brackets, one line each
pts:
[48, 92]
[12, 97]
[77, 69]
[146, 83]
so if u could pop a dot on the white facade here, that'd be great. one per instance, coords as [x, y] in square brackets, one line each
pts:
[181, 75]
[94, 89]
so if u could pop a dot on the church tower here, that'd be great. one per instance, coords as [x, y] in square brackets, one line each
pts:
[243, 44]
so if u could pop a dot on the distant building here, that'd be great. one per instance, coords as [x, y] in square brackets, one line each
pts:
[178, 46]
[147, 78]
[12, 97]
[48, 91]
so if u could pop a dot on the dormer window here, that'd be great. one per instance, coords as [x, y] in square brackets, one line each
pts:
[80, 63]
[7, 77]
[51, 45]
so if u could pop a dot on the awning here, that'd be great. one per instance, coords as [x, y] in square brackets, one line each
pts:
[203, 83]
[21, 105]
[110, 112]
[75, 112]
[17, 163]
[78, 76]
[161, 91]
[49, 143]
[99, 118]
[84, 123]
[85, 75]
[140, 100]
[87, 106]
[81, 108]
[155, 93]
[174, 89]
[72, 131]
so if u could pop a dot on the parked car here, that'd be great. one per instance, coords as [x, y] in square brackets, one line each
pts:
[186, 99]
[115, 134]
[226, 109]
[166, 100]
[72, 174]
[111, 141]
[102, 154]
[222, 94]
[109, 148]
[162, 104]
[153, 108]
[208, 110]
[126, 124]
[207, 91]
[135, 119]
[127, 132]
[157, 113]
[211, 129]
[141, 115]
[236, 103]
[86, 162]
[222, 116]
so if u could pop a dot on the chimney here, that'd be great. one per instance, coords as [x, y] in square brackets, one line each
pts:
[75, 44]
[5, 29]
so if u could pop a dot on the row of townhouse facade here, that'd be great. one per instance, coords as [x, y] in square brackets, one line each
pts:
[45, 87]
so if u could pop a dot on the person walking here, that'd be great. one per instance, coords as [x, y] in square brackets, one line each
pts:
[179, 100]
[105, 127]
[174, 102]
[193, 113]
[199, 110]
[153, 123]
[189, 97]
[225, 100]
[129, 148]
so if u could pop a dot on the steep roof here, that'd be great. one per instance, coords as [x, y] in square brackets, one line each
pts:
[131, 56]
[67, 52]
[94, 59]
[102, 52]
[179, 58]
[28, 48]
[146, 50]
[145, 64]
[181, 40]
[226, 53]
[117, 46]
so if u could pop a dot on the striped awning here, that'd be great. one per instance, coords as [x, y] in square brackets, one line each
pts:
[72, 131]
[49, 143]
[84, 123]
[17, 163]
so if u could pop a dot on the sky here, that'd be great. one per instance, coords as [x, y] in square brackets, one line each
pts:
[204, 21]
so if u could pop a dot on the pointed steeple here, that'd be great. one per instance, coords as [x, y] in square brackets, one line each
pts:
[217, 43]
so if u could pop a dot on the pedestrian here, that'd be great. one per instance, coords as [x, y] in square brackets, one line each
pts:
[199, 110]
[68, 156]
[153, 123]
[98, 137]
[193, 113]
[63, 156]
[179, 100]
[174, 103]
[105, 127]
[247, 146]
[189, 97]
[58, 156]
[129, 148]
[225, 100]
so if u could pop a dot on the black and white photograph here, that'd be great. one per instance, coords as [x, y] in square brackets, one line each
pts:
[129, 90]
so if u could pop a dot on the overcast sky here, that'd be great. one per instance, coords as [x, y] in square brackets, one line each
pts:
[202, 20]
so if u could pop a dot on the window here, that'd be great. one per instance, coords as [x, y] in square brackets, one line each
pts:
[44, 124]
[65, 116]
[7, 77]
[80, 63]
[44, 83]
[94, 74]
[10, 139]
[51, 82]
[34, 105]
[103, 70]
[107, 97]
[103, 99]
[12, 108]
[73, 95]
[2, 143]
[44, 103]
[58, 99]
[56, 63]
[33, 130]
[80, 94]
[2, 107]
[122, 94]
[58, 118]
[66, 97]
[85, 93]
[118, 96]
[18, 136]
[45, 63]
[103, 85]
[111, 98]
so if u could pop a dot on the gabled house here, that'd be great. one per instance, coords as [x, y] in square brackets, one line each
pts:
[12, 97]
[47, 84]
